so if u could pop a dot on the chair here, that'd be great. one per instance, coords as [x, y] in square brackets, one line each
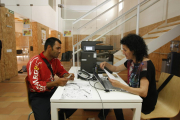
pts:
[168, 99]
[28, 97]
[19, 53]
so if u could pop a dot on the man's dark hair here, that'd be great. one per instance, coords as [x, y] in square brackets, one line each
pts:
[136, 43]
[51, 41]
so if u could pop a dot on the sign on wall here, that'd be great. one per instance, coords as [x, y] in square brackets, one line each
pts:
[26, 23]
[67, 33]
[10, 11]
[27, 32]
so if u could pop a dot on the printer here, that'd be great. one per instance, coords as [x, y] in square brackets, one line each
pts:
[91, 59]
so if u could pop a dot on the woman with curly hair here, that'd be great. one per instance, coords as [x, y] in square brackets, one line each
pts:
[141, 74]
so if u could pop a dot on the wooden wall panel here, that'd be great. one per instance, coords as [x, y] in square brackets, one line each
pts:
[39, 45]
[158, 50]
[81, 37]
[75, 37]
[35, 40]
[18, 40]
[146, 29]
[68, 44]
[115, 42]
[21, 41]
[165, 48]
[108, 39]
[2, 71]
[55, 34]
[173, 19]
[9, 60]
[63, 46]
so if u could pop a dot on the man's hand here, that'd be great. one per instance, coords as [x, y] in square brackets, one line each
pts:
[69, 78]
[58, 82]
[61, 81]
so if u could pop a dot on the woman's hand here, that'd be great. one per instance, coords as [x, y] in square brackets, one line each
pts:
[102, 65]
[115, 83]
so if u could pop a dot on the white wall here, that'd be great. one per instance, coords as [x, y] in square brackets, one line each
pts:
[25, 2]
[75, 11]
[44, 14]
[40, 11]
[154, 14]
[174, 8]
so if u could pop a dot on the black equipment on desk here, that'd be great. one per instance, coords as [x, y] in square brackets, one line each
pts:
[90, 58]
[88, 61]
[84, 75]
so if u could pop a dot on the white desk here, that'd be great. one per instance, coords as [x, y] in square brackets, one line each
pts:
[110, 100]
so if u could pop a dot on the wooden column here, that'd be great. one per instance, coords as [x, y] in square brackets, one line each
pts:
[8, 62]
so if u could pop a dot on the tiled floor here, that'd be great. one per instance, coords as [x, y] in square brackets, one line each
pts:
[14, 105]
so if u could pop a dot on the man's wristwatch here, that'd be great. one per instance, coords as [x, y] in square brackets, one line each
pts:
[65, 74]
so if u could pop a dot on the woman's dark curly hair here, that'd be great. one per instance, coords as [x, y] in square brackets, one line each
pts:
[136, 43]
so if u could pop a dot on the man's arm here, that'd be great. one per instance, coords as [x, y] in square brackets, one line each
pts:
[70, 76]
[60, 71]
[34, 77]
[59, 82]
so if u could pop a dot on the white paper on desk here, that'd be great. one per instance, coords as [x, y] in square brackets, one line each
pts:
[77, 91]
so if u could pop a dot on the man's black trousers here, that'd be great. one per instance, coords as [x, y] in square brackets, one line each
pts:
[40, 103]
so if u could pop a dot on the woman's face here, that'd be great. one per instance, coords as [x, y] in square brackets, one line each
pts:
[129, 54]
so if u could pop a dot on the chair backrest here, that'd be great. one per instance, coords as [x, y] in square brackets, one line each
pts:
[162, 78]
[170, 94]
[27, 89]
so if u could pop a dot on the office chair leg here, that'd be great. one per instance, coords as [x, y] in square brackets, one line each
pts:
[29, 115]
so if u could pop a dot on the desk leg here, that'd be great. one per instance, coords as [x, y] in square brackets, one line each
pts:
[54, 112]
[137, 113]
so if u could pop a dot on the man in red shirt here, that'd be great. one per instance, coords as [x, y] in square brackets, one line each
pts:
[41, 70]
